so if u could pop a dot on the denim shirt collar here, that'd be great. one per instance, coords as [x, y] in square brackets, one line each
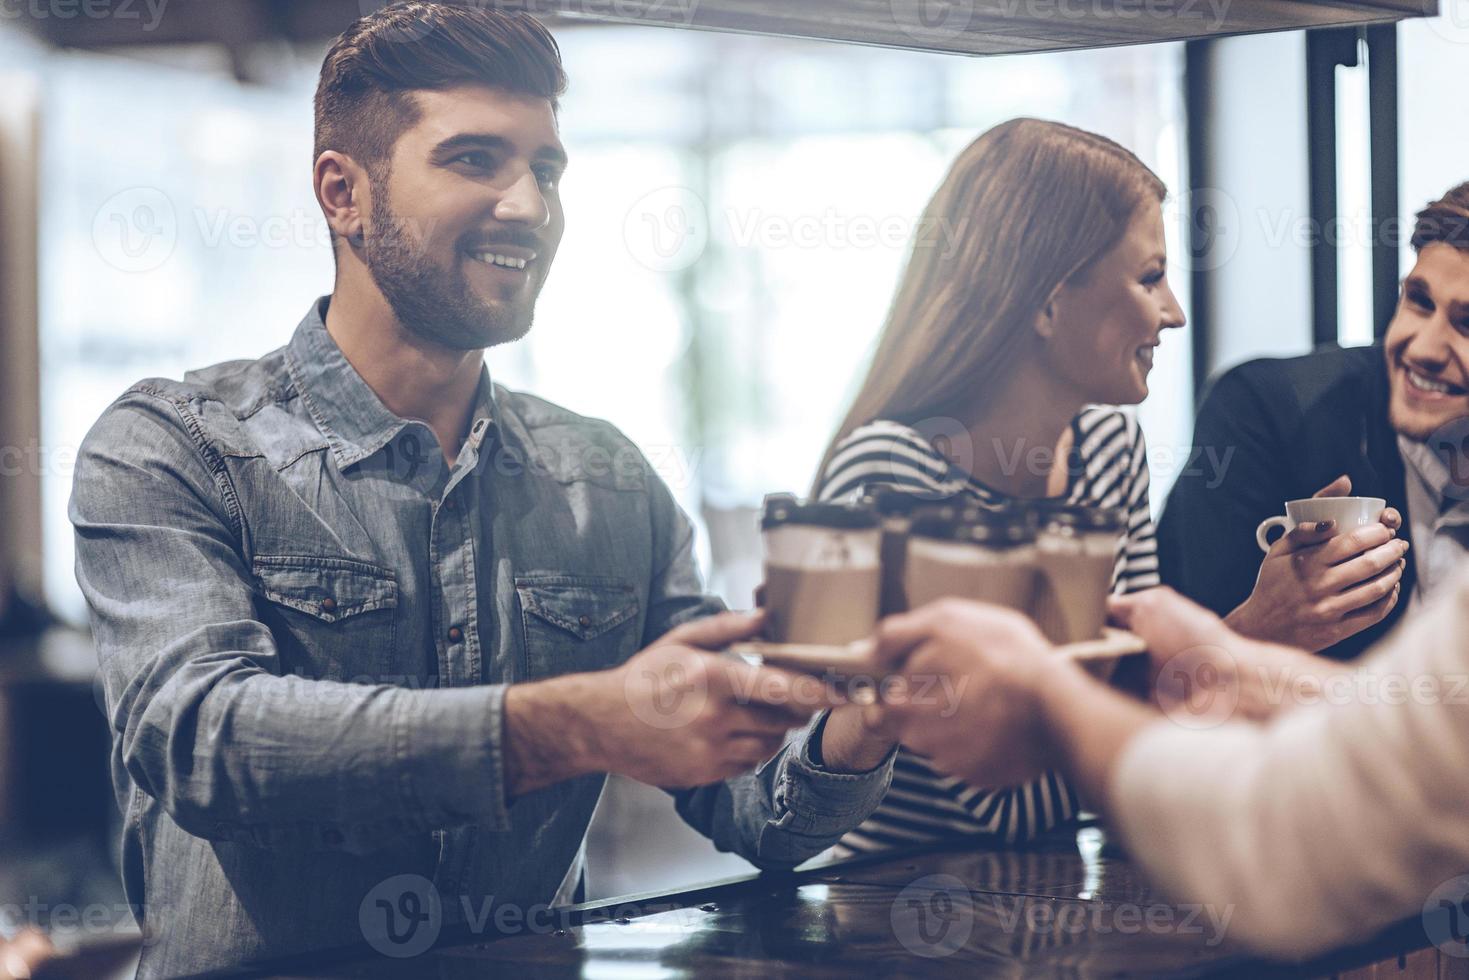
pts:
[349, 413]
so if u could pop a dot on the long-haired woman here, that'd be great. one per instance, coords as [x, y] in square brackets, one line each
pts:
[993, 380]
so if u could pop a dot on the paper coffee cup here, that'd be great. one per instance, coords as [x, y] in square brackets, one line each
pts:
[823, 571]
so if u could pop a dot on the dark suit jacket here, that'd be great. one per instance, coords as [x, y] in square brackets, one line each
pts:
[1269, 431]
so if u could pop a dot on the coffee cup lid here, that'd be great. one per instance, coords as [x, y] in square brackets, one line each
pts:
[785, 508]
[1004, 528]
[1081, 518]
[894, 501]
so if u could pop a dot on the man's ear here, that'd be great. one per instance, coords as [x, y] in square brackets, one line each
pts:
[342, 191]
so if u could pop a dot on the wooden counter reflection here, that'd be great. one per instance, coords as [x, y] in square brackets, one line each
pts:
[1071, 906]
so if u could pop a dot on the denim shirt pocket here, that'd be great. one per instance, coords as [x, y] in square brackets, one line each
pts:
[572, 623]
[333, 618]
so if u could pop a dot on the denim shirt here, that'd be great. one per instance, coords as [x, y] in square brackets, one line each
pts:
[306, 622]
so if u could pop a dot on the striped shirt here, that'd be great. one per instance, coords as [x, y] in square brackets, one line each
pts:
[1107, 467]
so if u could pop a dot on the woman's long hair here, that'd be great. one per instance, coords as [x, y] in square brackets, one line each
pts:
[1026, 206]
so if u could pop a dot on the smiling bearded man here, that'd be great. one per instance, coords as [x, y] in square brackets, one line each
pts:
[372, 629]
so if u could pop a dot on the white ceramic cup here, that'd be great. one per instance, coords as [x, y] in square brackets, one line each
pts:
[1348, 512]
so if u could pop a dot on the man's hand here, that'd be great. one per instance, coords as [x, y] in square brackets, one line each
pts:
[22, 956]
[1316, 587]
[967, 695]
[674, 715]
[1204, 673]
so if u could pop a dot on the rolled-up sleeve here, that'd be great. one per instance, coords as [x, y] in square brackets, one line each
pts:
[205, 719]
[790, 809]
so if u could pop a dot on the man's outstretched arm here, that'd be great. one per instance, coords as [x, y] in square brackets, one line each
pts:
[801, 799]
[208, 720]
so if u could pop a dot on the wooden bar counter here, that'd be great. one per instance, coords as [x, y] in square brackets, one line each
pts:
[1071, 905]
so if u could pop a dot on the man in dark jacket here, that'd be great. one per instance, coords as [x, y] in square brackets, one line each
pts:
[1390, 421]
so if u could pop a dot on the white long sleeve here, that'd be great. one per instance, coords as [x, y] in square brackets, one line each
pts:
[1329, 822]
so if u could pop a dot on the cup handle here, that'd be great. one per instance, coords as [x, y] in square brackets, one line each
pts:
[1263, 531]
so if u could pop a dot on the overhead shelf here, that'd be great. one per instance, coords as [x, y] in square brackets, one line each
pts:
[960, 26]
[992, 26]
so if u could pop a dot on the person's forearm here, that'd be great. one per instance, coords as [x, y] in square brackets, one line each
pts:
[548, 737]
[848, 745]
[1270, 675]
[1274, 677]
[292, 771]
[1256, 619]
[1090, 725]
[1242, 620]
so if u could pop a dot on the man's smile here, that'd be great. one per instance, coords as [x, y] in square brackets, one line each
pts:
[1420, 387]
[504, 260]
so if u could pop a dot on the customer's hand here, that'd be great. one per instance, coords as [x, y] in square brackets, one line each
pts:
[853, 739]
[966, 691]
[1317, 587]
[674, 715]
[1205, 673]
[22, 955]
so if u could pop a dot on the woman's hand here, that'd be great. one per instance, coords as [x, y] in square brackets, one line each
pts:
[1204, 673]
[1316, 587]
[965, 690]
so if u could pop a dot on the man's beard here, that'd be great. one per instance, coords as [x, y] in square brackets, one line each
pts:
[432, 303]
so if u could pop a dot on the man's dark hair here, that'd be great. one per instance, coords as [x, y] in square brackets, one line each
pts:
[364, 101]
[1445, 220]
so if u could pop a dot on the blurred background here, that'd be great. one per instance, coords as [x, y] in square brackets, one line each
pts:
[738, 211]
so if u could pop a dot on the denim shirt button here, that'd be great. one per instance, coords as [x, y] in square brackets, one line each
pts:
[455, 634]
[585, 621]
[332, 837]
[329, 604]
